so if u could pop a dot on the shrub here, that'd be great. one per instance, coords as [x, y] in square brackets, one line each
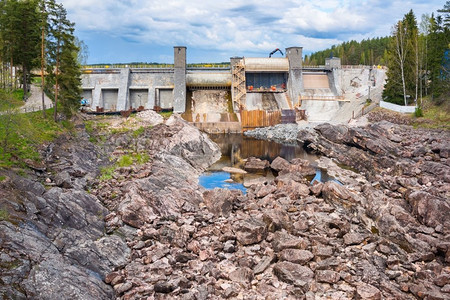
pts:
[418, 113]
[106, 173]
[125, 161]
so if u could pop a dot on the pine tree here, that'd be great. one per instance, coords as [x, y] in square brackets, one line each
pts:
[438, 40]
[446, 12]
[403, 61]
[26, 36]
[63, 68]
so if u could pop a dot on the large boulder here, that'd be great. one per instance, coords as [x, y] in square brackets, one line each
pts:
[254, 164]
[250, 231]
[220, 201]
[279, 164]
[430, 210]
[295, 274]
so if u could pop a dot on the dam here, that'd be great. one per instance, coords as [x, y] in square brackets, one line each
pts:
[251, 92]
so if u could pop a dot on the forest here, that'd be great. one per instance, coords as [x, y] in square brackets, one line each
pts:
[366, 52]
[417, 57]
[37, 35]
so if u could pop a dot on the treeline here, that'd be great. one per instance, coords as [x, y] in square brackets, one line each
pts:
[418, 59]
[36, 34]
[366, 52]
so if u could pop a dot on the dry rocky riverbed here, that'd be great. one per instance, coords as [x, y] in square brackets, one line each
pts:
[150, 232]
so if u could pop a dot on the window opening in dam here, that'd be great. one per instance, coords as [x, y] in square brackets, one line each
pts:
[236, 149]
[266, 81]
[165, 99]
[110, 97]
[138, 97]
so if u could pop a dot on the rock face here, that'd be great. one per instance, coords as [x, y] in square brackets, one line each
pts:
[381, 232]
[53, 241]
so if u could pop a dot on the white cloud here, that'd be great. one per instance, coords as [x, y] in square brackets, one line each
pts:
[238, 26]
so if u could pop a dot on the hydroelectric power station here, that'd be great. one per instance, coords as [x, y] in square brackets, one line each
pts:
[250, 93]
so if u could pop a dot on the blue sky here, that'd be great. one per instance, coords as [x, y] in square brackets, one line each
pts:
[215, 30]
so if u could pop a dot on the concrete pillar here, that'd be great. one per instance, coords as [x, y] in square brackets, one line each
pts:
[124, 83]
[234, 60]
[96, 97]
[332, 63]
[151, 98]
[295, 80]
[179, 91]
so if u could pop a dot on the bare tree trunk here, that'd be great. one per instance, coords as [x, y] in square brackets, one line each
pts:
[404, 85]
[56, 83]
[417, 66]
[25, 83]
[42, 70]
[13, 82]
[401, 55]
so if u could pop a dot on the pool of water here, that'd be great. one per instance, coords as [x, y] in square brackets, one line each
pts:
[236, 148]
[211, 180]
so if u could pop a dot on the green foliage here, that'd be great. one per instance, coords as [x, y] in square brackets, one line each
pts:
[20, 35]
[106, 173]
[138, 132]
[142, 158]
[125, 161]
[366, 52]
[2, 178]
[11, 100]
[4, 215]
[63, 67]
[166, 114]
[22, 134]
[418, 113]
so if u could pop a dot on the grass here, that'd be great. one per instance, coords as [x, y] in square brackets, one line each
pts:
[125, 161]
[166, 114]
[138, 132]
[22, 134]
[4, 215]
[142, 158]
[11, 100]
[434, 116]
[106, 173]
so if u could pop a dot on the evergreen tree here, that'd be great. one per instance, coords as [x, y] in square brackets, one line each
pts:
[352, 52]
[446, 12]
[63, 68]
[24, 36]
[438, 58]
[403, 61]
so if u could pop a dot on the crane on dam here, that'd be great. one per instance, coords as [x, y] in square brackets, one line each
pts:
[273, 52]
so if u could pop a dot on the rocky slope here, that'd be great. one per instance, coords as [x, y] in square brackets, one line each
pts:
[56, 236]
[52, 236]
[383, 233]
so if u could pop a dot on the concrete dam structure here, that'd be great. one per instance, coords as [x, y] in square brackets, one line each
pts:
[251, 92]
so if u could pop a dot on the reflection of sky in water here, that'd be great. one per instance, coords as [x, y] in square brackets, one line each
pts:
[211, 180]
[236, 148]
[322, 176]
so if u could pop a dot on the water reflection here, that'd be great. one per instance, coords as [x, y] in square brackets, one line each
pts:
[211, 180]
[236, 148]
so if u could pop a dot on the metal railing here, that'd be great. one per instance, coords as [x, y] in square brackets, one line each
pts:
[33, 108]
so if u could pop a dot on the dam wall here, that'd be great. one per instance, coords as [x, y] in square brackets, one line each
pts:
[220, 94]
[120, 89]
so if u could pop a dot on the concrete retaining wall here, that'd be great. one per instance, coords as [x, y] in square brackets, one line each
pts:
[145, 79]
[398, 108]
